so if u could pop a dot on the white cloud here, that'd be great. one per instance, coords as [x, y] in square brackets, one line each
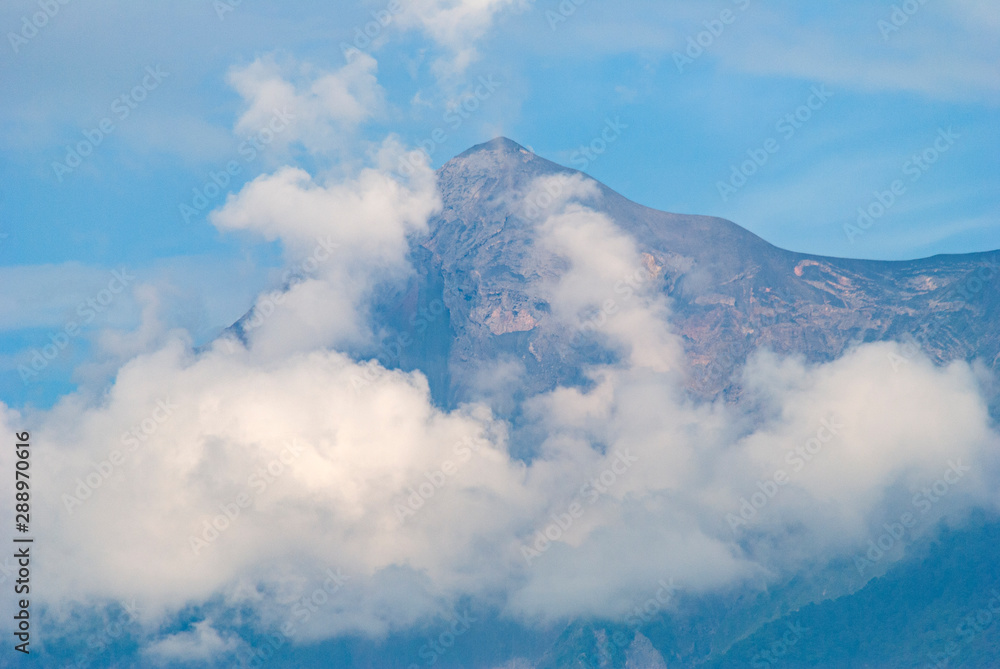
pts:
[457, 25]
[340, 239]
[608, 286]
[895, 430]
[290, 102]
[236, 478]
[225, 423]
[371, 214]
[201, 644]
[117, 313]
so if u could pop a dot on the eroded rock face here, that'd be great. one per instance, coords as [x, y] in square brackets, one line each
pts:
[642, 655]
[730, 291]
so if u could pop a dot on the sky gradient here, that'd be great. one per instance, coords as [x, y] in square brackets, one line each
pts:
[694, 90]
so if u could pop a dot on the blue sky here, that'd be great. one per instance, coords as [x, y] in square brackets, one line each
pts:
[687, 115]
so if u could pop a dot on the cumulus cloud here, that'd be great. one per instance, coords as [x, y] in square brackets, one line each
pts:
[855, 439]
[653, 474]
[608, 287]
[252, 476]
[456, 25]
[339, 238]
[324, 451]
[296, 103]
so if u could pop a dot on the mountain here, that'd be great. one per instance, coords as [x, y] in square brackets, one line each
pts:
[946, 596]
[731, 292]
[938, 607]
[476, 301]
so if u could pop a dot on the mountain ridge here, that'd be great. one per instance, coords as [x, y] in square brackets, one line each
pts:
[511, 146]
[732, 292]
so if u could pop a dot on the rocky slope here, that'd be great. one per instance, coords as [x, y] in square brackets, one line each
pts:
[731, 292]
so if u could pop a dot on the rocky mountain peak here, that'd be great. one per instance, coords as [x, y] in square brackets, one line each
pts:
[730, 291]
[498, 166]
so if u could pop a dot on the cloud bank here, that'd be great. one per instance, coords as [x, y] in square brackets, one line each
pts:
[251, 475]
